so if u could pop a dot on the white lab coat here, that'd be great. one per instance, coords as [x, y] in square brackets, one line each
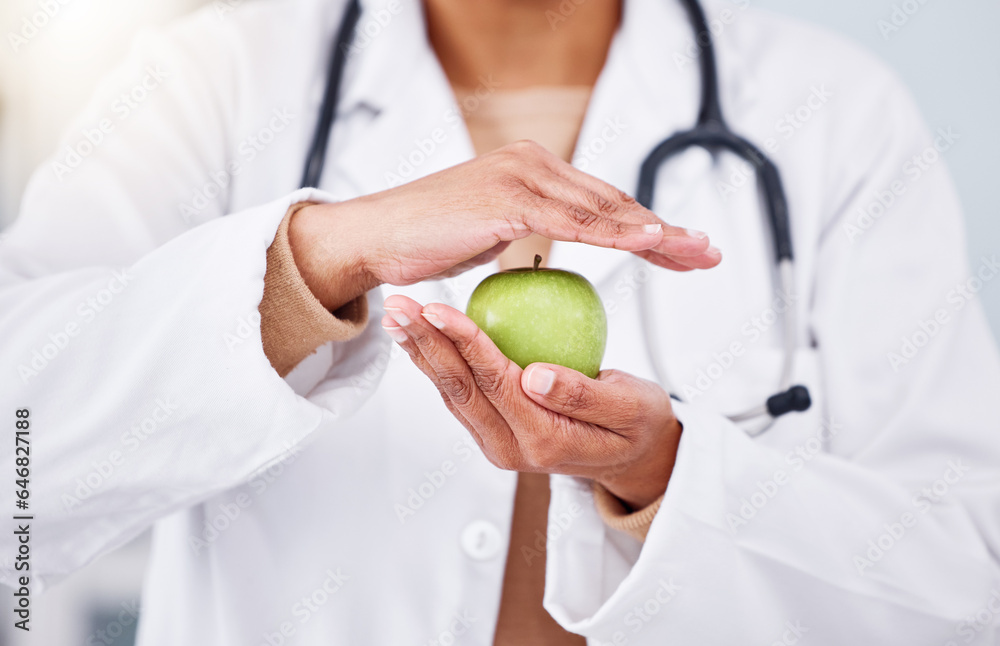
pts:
[344, 505]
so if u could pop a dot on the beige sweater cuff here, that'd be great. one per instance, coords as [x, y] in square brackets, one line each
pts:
[616, 516]
[293, 323]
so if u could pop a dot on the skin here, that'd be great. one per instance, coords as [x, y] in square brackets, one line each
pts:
[617, 430]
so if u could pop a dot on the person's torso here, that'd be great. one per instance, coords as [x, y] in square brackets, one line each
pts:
[393, 529]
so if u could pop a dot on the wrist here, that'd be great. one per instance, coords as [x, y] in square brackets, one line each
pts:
[616, 515]
[330, 253]
[644, 481]
[634, 496]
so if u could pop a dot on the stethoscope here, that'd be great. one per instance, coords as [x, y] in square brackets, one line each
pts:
[711, 133]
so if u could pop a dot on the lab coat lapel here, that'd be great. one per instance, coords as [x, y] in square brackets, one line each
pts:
[399, 117]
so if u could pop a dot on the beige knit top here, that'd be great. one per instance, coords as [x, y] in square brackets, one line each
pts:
[294, 325]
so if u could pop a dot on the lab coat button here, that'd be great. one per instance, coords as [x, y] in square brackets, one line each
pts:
[481, 540]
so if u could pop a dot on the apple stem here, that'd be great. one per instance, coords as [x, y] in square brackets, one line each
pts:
[538, 261]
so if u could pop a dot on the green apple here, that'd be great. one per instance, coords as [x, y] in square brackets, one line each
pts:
[542, 315]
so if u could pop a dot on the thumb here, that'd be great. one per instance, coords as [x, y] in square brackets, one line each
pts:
[615, 400]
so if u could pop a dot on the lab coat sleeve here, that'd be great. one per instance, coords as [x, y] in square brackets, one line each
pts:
[131, 333]
[892, 535]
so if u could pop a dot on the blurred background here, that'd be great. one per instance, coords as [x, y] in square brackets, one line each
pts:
[948, 53]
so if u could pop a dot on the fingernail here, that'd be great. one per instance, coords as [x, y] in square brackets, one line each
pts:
[541, 380]
[395, 333]
[398, 315]
[713, 251]
[433, 320]
[694, 233]
[652, 228]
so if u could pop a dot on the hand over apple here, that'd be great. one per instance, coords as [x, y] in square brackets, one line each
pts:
[617, 430]
[466, 215]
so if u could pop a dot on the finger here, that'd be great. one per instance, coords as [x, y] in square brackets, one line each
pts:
[676, 241]
[615, 400]
[548, 440]
[438, 358]
[570, 222]
[397, 334]
[433, 350]
[564, 203]
[498, 377]
[541, 159]
[613, 202]
[400, 337]
[663, 261]
[623, 204]
[710, 258]
[557, 219]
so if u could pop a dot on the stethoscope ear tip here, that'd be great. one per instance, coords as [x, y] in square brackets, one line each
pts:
[795, 399]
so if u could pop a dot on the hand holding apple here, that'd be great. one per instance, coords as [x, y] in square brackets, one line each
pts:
[617, 430]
